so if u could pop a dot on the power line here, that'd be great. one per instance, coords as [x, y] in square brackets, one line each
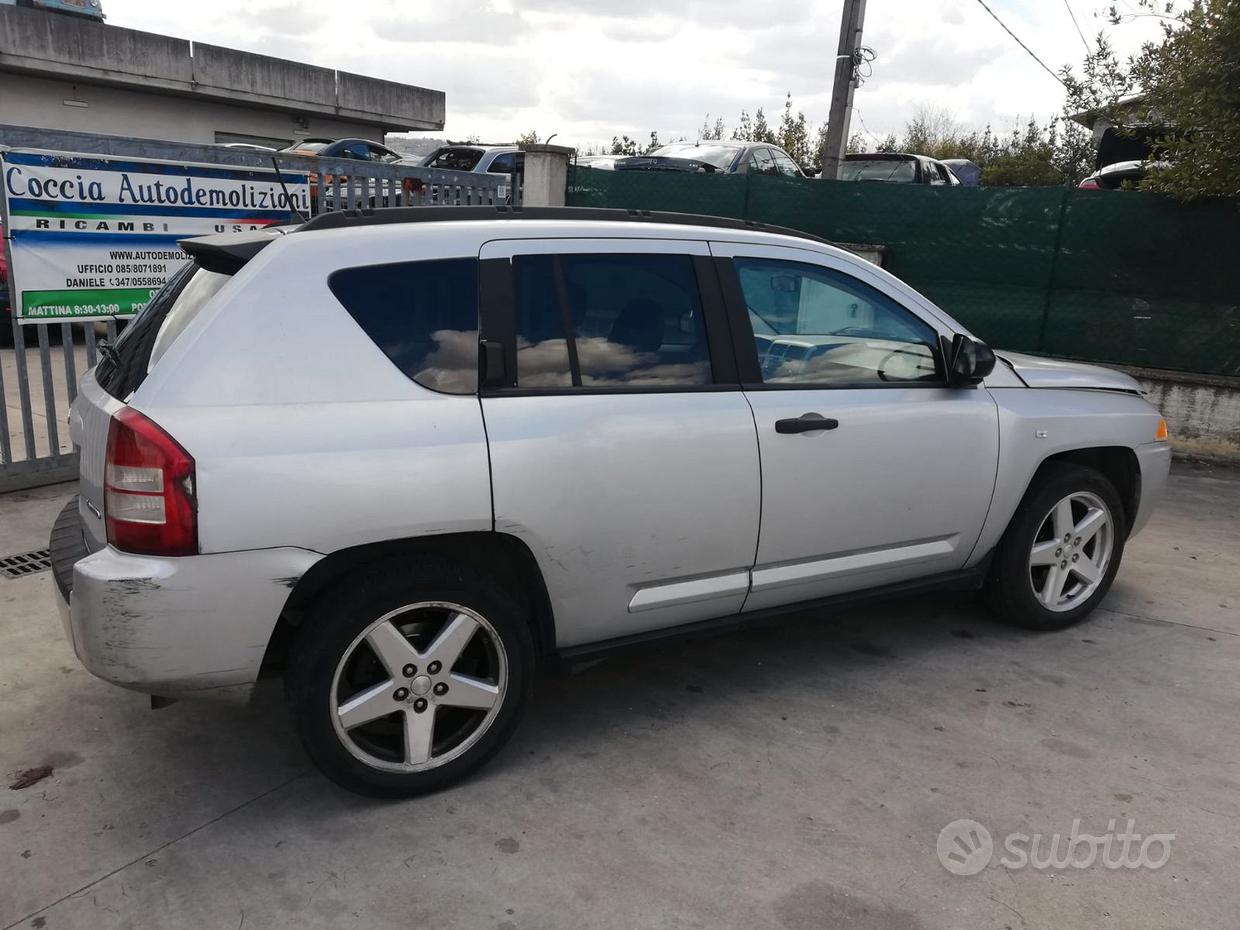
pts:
[1088, 50]
[861, 120]
[1019, 42]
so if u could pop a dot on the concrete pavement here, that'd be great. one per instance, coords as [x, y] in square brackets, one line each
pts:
[795, 776]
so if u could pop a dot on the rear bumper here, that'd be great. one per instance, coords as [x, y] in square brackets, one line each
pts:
[195, 626]
[1154, 460]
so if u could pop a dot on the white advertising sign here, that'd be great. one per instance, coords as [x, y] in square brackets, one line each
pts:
[93, 237]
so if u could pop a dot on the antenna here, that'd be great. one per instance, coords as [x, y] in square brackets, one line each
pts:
[288, 198]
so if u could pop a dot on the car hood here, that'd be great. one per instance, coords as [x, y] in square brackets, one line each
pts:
[1054, 373]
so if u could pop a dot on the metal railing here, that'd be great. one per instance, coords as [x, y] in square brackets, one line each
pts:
[38, 382]
[40, 363]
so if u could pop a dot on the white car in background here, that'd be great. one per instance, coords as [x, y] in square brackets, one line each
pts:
[484, 159]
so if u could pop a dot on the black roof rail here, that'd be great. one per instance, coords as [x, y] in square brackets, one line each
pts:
[343, 219]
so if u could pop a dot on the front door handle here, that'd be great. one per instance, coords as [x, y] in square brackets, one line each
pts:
[805, 423]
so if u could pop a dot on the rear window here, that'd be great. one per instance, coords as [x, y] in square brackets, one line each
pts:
[307, 146]
[455, 159]
[879, 169]
[422, 315]
[719, 156]
[155, 327]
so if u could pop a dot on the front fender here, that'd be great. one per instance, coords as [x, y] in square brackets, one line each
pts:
[1035, 425]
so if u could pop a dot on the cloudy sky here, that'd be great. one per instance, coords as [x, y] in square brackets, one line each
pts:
[589, 70]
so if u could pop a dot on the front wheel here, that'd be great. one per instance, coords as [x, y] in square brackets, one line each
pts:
[399, 688]
[1061, 551]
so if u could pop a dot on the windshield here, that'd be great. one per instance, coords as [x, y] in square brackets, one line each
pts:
[879, 169]
[720, 156]
[455, 159]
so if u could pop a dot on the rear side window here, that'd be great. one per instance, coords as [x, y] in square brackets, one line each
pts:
[503, 164]
[423, 315]
[155, 328]
[609, 321]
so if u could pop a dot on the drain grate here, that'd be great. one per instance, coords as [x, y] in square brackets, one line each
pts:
[26, 563]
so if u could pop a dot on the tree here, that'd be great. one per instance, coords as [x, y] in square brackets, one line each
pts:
[1185, 87]
[761, 131]
[709, 133]
[820, 146]
[1192, 81]
[744, 128]
[889, 144]
[794, 134]
[528, 138]
[623, 145]
[932, 129]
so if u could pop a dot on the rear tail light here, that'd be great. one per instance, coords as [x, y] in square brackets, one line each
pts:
[148, 497]
[1090, 184]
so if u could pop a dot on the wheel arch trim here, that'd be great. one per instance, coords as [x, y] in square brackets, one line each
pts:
[502, 554]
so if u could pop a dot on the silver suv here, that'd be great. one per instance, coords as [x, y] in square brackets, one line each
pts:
[405, 457]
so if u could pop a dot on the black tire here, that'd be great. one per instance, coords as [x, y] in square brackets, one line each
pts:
[1009, 587]
[340, 616]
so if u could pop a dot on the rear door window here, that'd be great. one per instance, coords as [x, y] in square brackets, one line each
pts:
[356, 150]
[609, 321]
[422, 315]
[760, 162]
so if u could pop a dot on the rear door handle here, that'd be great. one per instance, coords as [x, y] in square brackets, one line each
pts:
[805, 423]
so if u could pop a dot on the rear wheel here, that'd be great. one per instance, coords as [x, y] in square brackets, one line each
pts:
[400, 687]
[1061, 551]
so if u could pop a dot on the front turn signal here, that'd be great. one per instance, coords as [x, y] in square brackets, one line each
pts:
[1161, 432]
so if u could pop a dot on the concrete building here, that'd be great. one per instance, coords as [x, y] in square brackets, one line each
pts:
[62, 72]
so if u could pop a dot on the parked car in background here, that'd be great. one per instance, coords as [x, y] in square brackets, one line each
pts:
[359, 149]
[714, 157]
[484, 159]
[897, 168]
[969, 172]
[249, 147]
[356, 149]
[1124, 156]
[1121, 175]
[540, 437]
[603, 162]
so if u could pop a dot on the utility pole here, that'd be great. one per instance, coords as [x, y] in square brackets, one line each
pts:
[842, 92]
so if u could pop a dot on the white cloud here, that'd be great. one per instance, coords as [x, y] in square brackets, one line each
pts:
[588, 71]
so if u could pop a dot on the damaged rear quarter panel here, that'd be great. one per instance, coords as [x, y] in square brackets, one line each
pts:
[171, 625]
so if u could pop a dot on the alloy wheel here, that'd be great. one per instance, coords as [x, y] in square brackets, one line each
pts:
[1071, 551]
[418, 687]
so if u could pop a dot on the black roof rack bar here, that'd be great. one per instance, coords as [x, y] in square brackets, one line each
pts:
[343, 219]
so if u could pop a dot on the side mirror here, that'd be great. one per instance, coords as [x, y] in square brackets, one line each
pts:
[968, 361]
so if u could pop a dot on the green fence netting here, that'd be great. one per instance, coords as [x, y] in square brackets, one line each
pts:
[1108, 276]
